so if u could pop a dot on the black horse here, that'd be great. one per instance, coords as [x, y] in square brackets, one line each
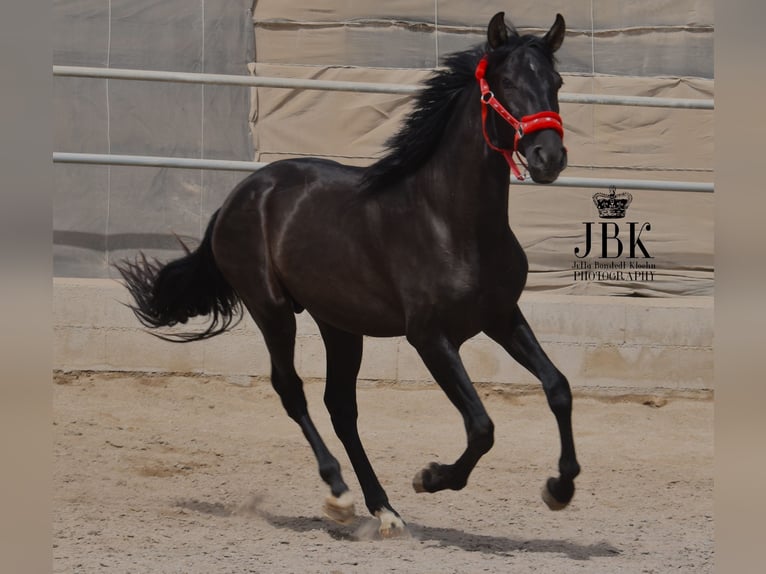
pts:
[417, 244]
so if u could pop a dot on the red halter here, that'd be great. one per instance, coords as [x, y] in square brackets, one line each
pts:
[527, 125]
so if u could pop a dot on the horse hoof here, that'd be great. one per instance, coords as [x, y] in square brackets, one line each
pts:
[417, 482]
[423, 475]
[391, 525]
[550, 501]
[340, 508]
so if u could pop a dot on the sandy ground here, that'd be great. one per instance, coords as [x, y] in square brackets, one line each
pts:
[171, 474]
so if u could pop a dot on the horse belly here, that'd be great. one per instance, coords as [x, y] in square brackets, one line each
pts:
[338, 284]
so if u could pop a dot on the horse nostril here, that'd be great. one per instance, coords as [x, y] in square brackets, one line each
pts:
[539, 155]
[543, 157]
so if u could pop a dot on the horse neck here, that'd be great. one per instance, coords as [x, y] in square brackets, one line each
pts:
[467, 179]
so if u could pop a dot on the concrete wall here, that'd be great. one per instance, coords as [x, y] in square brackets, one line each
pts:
[602, 344]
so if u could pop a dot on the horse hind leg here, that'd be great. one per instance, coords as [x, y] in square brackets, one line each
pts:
[277, 323]
[344, 356]
[244, 260]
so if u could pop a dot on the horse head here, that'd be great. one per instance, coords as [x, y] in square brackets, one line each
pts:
[521, 77]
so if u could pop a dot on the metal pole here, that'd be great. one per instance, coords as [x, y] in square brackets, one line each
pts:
[156, 161]
[333, 85]
[642, 101]
[606, 183]
[249, 166]
[233, 80]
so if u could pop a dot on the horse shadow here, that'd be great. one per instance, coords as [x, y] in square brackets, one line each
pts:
[504, 545]
[365, 529]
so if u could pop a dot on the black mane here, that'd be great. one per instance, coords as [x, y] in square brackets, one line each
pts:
[413, 144]
[422, 131]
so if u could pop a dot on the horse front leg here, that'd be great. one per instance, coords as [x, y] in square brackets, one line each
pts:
[443, 361]
[516, 337]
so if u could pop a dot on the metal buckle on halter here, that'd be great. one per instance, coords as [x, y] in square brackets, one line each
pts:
[486, 97]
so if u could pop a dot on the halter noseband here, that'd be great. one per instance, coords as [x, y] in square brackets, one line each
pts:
[527, 124]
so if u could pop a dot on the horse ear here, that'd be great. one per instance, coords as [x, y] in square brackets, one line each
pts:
[497, 32]
[555, 35]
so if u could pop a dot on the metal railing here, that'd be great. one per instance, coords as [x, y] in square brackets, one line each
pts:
[249, 166]
[340, 86]
[364, 87]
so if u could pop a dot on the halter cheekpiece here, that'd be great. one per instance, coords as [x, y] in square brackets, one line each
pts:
[527, 124]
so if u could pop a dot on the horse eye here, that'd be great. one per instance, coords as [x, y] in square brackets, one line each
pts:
[507, 83]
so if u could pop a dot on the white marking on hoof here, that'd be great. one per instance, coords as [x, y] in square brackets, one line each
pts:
[548, 499]
[340, 508]
[391, 526]
[417, 482]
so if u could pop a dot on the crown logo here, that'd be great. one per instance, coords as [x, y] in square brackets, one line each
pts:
[613, 204]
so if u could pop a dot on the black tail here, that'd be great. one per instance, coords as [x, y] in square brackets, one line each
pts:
[166, 295]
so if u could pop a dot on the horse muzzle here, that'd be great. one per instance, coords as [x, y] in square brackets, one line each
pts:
[546, 156]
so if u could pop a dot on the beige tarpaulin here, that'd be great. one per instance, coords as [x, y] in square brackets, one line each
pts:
[364, 42]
